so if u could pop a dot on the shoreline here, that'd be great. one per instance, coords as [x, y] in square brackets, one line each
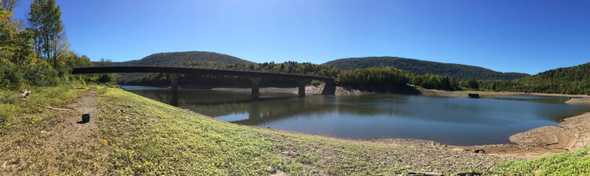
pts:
[533, 143]
[550, 139]
[464, 93]
[575, 99]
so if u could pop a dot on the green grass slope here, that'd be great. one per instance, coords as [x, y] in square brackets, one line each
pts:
[570, 163]
[147, 136]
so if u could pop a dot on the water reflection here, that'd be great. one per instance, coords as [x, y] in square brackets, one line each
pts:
[460, 121]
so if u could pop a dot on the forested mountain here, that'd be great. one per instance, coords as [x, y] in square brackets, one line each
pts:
[569, 80]
[425, 67]
[190, 58]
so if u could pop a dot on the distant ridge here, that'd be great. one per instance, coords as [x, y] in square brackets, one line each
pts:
[200, 59]
[206, 59]
[425, 67]
[188, 58]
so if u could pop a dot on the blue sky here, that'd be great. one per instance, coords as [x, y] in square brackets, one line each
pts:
[505, 35]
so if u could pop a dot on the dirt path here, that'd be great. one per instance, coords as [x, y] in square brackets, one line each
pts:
[57, 145]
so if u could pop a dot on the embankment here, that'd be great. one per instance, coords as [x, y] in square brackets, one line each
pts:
[139, 136]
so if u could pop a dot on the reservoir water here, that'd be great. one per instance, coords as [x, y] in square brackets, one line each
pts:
[457, 121]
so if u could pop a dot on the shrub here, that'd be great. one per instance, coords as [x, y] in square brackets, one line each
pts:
[40, 74]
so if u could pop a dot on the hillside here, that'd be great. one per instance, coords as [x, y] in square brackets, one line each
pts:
[190, 58]
[200, 59]
[570, 80]
[425, 67]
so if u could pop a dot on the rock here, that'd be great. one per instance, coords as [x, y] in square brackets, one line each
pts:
[25, 93]
[573, 100]
[543, 136]
[275, 172]
[570, 134]
[271, 170]
[424, 174]
[480, 151]
[279, 173]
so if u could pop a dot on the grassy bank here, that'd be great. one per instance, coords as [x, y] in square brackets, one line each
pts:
[15, 110]
[133, 135]
[569, 163]
[26, 147]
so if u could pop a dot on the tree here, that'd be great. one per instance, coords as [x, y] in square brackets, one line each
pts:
[15, 44]
[45, 19]
[473, 84]
[7, 5]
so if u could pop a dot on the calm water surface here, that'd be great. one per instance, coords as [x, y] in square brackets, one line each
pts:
[459, 121]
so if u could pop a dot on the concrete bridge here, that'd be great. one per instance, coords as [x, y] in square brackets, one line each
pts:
[255, 77]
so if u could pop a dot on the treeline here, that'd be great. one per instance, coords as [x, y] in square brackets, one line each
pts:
[457, 71]
[571, 80]
[381, 79]
[386, 79]
[389, 79]
[36, 55]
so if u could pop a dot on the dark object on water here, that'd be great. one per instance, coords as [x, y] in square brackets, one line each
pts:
[472, 95]
[85, 119]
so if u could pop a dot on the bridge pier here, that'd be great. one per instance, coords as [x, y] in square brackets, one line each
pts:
[301, 89]
[174, 88]
[173, 82]
[255, 88]
[329, 88]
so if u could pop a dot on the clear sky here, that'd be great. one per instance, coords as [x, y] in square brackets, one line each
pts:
[505, 35]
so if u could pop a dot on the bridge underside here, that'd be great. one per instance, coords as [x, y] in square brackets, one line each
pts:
[212, 78]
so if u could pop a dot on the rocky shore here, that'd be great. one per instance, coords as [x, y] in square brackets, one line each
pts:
[572, 133]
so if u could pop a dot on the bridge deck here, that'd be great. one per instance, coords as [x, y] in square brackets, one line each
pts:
[190, 70]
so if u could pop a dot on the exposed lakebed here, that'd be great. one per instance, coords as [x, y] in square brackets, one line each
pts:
[449, 120]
